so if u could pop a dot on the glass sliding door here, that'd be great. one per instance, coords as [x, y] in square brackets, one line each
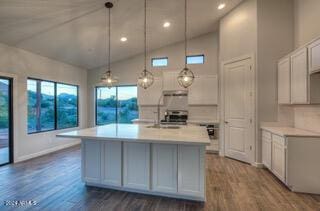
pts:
[127, 104]
[116, 105]
[6, 146]
[106, 105]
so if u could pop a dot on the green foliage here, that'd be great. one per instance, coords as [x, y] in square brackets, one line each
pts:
[106, 110]
[67, 114]
[4, 113]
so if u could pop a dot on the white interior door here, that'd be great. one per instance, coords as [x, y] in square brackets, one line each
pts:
[239, 109]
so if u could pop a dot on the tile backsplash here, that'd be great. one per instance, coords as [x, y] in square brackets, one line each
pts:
[307, 117]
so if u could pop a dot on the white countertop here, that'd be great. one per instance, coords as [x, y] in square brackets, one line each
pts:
[202, 121]
[291, 131]
[189, 134]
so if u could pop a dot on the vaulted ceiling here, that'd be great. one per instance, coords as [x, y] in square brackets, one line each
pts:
[74, 31]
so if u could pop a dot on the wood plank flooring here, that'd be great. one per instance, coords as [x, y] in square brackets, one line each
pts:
[54, 182]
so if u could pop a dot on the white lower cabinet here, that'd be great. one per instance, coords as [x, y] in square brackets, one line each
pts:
[266, 149]
[159, 169]
[111, 163]
[278, 166]
[91, 165]
[164, 168]
[274, 154]
[191, 170]
[136, 165]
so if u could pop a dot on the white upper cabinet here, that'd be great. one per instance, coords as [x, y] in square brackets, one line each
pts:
[204, 91]
[170, 81]
[151, 95]
[284, 81]
[299, 77]
[314, 56]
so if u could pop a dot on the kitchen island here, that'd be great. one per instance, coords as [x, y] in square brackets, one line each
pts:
[167, 161]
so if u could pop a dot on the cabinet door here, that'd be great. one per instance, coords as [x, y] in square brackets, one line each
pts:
[164, 168]
[278, 165]
[91, 161]
[266, 149]
[111, 163]
[191, 170]
[299, 77]
[314, 56]
[204, 91]
[284, 81]
[151, 95]
[136, 166]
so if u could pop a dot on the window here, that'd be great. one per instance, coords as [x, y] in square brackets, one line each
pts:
[67, 106]
[41, 106]
[106, 105]
[51, 106]
[195, 59]
[116, 105]
[159, 62]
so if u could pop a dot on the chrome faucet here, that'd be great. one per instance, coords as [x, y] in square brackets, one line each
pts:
[157, 122]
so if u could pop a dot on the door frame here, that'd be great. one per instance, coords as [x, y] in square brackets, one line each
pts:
[254, 128]
[14, 110]
[10, 131]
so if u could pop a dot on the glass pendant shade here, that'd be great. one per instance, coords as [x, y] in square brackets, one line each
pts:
[145, 79]
[185, 77]
[108, 80]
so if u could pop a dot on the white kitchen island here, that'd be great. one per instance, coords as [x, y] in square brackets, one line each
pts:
[136, 158]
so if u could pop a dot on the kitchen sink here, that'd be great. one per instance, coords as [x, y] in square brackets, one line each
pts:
[164, 126]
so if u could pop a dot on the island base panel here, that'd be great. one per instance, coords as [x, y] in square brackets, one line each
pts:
[169, 170]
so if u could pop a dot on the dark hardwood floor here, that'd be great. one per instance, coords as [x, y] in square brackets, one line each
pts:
[53, 181]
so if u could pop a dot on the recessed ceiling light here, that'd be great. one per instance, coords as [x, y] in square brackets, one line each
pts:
[123, 39]
[221, 6]
[166, 24]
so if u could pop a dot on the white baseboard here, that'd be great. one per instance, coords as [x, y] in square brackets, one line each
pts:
[44, 152]
[258, 165]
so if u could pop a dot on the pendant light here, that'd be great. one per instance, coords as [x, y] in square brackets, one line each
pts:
[186, 76]
[107, 78]
[146, 78]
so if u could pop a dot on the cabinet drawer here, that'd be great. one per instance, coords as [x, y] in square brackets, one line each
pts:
[266, 134]
[279, 139]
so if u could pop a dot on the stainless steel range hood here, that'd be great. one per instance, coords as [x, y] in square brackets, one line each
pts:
[175, 93]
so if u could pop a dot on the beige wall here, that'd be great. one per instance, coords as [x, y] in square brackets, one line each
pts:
[238, 31]
[275, 40]
[21, 64]
[263, 29]
[307, 16]
[129, 69]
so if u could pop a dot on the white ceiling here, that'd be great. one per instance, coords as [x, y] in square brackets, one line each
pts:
[74, 31]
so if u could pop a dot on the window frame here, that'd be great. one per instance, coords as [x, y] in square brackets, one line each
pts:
[195, 55]
[158, 58]
[55, 105]
[96, 104]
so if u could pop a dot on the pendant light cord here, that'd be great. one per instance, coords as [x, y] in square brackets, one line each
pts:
[185, 32]
[109, 37]
[145, 35]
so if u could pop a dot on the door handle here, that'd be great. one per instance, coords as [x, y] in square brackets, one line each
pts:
[226, 122]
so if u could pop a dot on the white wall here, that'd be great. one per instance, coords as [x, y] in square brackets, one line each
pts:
[21, 64]
[275, 40]
[128, 71]
[263, 29]
[238, 31]
[307, 16]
